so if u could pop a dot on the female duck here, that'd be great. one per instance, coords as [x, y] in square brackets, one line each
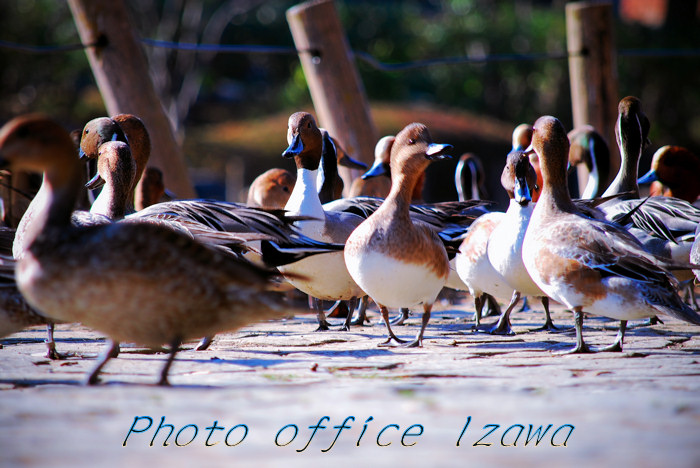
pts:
[586, 264]
[399, 263]
[148, 284]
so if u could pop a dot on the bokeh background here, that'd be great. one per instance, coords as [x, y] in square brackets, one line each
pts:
[230, 110]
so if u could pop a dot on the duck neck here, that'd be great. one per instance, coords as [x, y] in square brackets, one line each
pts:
[304, 198]
[630, 144]
[399, 199]
[556, 198]
[626, 179]
[112, 201]
[60, 193]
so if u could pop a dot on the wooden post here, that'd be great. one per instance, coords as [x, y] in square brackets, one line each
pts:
[593, 72]
[335, 86]
[121, 72]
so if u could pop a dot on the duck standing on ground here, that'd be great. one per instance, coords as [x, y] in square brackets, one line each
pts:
[325, 277]
[505, 244]
[397, 262]
[591, 265]
[147, 284]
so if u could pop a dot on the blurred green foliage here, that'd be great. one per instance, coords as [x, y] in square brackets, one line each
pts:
[237, 86]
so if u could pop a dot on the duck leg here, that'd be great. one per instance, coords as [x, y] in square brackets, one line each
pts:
[418, 342]
[174, 347]
[617, 345]
[320, 315]
[361, 312]
[102, 359]
[405, 313]
[525, 307]
[51, 352]
[503, 325]
[385, 316]
[548, 324]
[492, 307]
[351, 304]
[581, 346]
[478, 304]
[204, 343]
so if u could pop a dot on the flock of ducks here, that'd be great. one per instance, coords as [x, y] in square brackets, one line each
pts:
[139, 269]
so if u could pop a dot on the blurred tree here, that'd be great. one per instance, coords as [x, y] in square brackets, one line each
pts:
[205, 87]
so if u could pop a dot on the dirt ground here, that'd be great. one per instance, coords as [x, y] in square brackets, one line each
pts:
[278, 393]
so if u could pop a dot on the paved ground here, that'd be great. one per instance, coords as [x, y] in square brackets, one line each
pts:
[403, 406]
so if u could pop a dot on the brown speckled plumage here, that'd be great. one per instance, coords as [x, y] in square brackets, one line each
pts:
[147, 284]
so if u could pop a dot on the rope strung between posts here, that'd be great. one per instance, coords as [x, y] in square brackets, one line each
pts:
[363, 56]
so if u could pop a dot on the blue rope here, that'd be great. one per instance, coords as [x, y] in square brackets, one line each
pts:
[233, 49]
[363, 56]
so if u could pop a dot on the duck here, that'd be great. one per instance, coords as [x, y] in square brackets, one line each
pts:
[522, 135]
[377, 187]
[589, 148]
[664, 225]
[325, 276]
[127, 128]
[674, 172]
[116, 170]
[400, 263]
[148, 284]
[591, 265]
[505, 243]
[271, 189]
[450, 220]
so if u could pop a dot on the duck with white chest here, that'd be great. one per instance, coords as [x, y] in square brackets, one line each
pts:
[400, 263]
[591, 265]
[505, 245]
[324, 277]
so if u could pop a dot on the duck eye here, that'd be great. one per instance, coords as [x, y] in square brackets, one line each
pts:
[87, 130]
[411, 141]
[308, 125]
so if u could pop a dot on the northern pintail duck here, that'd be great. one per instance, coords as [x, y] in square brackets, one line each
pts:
[505, 244]
[522, 136]
[589, 148]
[676, 170]
[376, 186]
[115, 175]
[148, 284]
[122, 127]
[397, 262]
[664, 225]
[271, 189]
[590, 265]
[326, 276]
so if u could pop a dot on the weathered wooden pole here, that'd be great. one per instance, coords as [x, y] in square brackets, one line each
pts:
[336, 89]
[593, 74]
[121, 72]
